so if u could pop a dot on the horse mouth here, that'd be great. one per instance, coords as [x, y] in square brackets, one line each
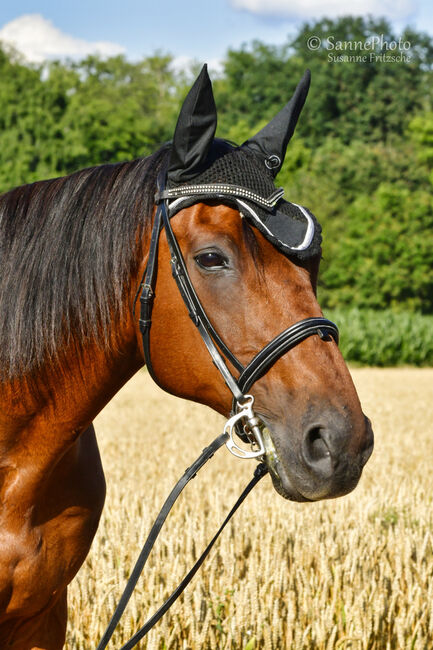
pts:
[280, 479]
[293, 483]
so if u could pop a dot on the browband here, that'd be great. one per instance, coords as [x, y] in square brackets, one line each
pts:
[221, 190]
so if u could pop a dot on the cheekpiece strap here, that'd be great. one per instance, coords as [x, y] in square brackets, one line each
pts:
[221, 190]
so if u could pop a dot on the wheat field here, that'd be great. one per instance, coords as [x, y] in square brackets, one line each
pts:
[351, 573]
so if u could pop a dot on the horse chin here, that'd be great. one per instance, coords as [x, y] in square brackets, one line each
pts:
[285, 488]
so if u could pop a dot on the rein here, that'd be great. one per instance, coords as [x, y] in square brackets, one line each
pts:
[242, 405]
[189, 474]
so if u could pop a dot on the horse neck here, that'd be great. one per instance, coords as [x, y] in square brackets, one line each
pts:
[63, 397]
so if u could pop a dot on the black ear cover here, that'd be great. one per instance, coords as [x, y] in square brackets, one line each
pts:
[271, 142]
[194, 133]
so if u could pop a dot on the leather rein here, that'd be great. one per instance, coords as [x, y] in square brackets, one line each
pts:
[242, 405]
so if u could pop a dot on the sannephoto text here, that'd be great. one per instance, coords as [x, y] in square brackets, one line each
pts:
[375, 43]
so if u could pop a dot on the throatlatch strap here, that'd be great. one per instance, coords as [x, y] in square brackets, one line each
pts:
[190, 473]
[147, 287]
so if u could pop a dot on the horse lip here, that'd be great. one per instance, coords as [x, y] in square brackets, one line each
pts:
[287, 491]
[285, 486]
[369, 446]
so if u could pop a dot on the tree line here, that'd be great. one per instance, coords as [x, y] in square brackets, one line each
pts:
[361, 158]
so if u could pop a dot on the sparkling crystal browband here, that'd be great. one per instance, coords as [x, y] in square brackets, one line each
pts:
[221, 189]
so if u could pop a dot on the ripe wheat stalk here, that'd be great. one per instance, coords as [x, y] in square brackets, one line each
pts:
[352, 573]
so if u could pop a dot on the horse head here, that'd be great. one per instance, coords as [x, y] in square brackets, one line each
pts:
[251, 261]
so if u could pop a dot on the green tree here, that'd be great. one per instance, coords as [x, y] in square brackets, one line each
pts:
[30, 110]
[373, 100]
[60, 117]
[117, 110]
[257, 81]
[421, 133]
[370, 100]
[385, 256]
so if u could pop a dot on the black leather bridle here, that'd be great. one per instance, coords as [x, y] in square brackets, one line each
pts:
[242, 411]
[217, 349]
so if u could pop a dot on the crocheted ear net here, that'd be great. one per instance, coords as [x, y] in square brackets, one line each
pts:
[285, 225]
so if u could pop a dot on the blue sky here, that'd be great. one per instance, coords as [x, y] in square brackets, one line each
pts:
[198, 29]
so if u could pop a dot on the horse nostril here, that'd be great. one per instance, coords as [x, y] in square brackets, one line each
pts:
[316, 452]
[317, 446]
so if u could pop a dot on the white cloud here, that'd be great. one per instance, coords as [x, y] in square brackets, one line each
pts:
[188, 63]
[182, 63]
[392, 9]
[38, 40]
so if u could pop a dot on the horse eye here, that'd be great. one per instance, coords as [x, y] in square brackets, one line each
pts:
[211, 260]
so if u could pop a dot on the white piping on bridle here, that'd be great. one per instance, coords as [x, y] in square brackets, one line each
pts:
[308, 235]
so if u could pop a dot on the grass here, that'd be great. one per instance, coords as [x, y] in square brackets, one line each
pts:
[352, 573]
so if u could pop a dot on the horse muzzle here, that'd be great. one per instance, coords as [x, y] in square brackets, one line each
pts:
[325, 462]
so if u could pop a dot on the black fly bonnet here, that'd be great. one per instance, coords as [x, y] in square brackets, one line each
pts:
[209, 169]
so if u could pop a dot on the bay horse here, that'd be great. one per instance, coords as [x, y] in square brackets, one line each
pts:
[74, 254]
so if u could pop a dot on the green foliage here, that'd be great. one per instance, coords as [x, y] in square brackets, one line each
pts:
[375, 205]
[421, 132]
[384, 338]
[385, 256]
[116, 110]
[29, 114]
[370, 100]
[257, 79]
[361, 158]
[60, 118]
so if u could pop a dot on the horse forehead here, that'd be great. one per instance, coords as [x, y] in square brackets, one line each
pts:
[218, 219]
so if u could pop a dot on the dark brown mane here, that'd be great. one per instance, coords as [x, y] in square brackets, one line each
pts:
[68, 247]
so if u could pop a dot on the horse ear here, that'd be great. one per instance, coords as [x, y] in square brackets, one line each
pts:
[271, 142]
[195, 130]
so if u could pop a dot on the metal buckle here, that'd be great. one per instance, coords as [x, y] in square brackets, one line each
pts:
[252, 431]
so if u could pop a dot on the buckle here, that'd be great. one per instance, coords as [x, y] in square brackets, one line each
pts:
[252, 431]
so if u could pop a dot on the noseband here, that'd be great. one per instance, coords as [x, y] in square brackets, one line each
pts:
[242, 405]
